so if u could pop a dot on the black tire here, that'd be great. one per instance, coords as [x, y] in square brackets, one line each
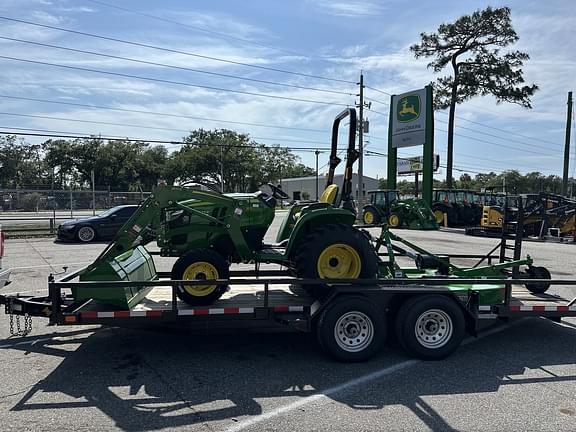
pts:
[351, 329]
[375, 216]
[395, 220]
[316, 247]
[430, 327]
[85, 234]
[200, 264]
[538, 273]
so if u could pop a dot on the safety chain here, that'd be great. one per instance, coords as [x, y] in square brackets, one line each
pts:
[16, 318]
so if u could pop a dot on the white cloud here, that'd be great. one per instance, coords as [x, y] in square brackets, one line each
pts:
[351, 8]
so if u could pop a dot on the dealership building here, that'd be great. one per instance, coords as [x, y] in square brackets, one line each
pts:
[300, 188]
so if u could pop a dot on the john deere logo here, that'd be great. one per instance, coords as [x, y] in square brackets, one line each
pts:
[408, 108]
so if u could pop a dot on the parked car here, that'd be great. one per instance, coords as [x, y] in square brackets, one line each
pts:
[4, 272]
[100, 227]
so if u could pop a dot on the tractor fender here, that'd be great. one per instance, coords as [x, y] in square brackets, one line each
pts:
[308, 220]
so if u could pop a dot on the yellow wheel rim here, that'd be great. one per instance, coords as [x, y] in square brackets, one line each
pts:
[393, 220]
[439, 216]
[200, 271]
[339, 261]
[368, 217]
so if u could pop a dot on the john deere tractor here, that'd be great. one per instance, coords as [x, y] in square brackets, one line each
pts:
[386, 206]
[208, 230]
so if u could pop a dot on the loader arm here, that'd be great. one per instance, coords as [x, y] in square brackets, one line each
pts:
[145, 224]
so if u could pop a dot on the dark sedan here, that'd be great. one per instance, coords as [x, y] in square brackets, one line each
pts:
[101, 227]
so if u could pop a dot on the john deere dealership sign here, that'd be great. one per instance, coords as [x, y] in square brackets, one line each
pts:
[409, 119]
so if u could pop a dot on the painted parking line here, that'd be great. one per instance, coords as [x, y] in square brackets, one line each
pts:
[240, 426]
[50, 265]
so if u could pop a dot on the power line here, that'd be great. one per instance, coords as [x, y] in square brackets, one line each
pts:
[475, 122]
[139, 126]
[103, 107]
[205, 30]
[496, 136]
[378, 90]
[498, 129]
[128, 59]
[143, 45]
[180, 83]
[154, 141]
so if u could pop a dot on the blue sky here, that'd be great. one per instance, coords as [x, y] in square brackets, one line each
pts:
[320, 38]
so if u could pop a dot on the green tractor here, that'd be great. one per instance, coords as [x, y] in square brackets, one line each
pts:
[386, 206]
[208, 231]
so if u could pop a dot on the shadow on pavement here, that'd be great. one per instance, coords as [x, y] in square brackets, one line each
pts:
[152, 380]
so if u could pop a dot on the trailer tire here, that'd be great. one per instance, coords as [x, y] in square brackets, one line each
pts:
[351, 329]
[430, 327]
[200, 264]
[335, 251]
[538, 273]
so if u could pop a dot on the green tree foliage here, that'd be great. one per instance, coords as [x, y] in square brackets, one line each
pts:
[20, 163]
[472, 47]
[242, 164]
[129, 166]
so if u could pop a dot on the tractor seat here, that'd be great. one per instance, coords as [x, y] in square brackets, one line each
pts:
[328, 198]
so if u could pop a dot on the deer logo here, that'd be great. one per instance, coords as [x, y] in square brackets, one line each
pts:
[408, 108]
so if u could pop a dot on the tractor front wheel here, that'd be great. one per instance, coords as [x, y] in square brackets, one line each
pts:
[200, 264]
[395, 220]
[335, 252]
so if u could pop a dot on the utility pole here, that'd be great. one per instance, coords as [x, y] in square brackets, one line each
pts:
[222, 169]
[567, 147]
[361, 144]
[317, 152]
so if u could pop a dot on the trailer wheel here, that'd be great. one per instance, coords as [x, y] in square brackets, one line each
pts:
[86, 234]
[335, 251]
[200, 264]
[538, 273]
[430, 327]
[351, 329]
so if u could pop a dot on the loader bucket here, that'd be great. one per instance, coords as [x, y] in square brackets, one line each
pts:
[421, 216]
[133, 265]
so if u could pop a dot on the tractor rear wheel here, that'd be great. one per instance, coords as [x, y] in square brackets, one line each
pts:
[335, 251]
[200, 264]
[370, 217]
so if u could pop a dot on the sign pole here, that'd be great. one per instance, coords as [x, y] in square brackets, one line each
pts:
[392, 151]
[428, 168]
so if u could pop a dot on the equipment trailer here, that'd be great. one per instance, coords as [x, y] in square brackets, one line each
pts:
[430, 317]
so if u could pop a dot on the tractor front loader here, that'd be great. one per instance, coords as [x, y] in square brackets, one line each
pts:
[208, 231]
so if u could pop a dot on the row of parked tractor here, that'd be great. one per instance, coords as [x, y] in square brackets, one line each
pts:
[480, 212]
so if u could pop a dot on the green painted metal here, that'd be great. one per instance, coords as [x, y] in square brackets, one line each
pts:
[428, 168]
[488, 294]
[415, 213]
[133, 265]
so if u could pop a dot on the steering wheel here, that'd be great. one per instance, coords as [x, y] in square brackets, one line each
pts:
[277, 192]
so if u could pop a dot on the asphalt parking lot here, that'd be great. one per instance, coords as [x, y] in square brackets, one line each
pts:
[520, 376]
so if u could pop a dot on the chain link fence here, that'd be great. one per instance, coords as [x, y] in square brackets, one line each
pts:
[69, 201]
